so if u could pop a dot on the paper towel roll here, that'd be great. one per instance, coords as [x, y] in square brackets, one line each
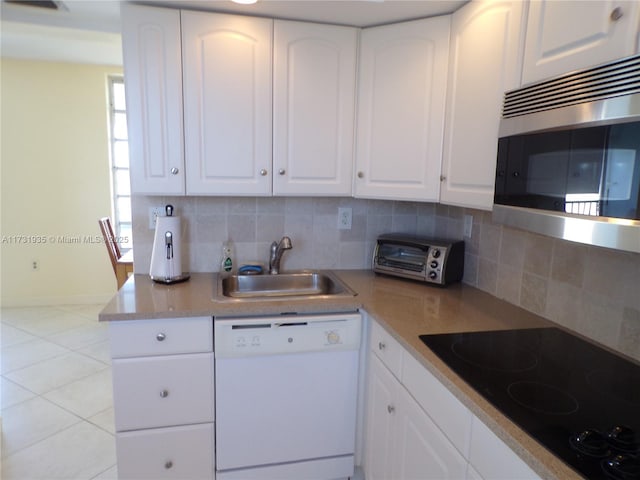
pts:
[164, 268]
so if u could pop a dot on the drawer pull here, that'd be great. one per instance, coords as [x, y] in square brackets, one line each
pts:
[391, 408]
[381, 345]
[160, 337]
[164, 393]
[168, 464]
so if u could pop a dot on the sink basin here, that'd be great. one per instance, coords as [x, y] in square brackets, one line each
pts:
[298, 284]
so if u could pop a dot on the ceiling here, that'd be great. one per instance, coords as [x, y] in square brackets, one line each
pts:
[88, 31]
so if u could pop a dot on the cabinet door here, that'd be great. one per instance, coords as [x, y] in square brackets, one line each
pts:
[486, 447]
[487, 41]
[314, 108]
[167, 453]
[423, 451]
[446, 411]
[383, 389]
[401, 101]
[153, 80]
[564, 35]
[227, 103]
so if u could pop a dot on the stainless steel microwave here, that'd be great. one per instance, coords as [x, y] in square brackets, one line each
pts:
[568, 161]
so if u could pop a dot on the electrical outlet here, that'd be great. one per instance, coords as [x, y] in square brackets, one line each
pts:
[344, 218]
[468, 225]
[155, 212]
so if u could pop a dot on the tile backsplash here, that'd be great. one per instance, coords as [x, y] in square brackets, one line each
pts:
[591, 290]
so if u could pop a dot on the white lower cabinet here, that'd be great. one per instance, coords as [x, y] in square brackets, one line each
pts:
[163, 398]
[166, 453]
[402, 441]
[417, 429]
[491, 458]
[423, 450]
[379, 441]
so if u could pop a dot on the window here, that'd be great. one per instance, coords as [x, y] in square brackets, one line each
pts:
[119, 157]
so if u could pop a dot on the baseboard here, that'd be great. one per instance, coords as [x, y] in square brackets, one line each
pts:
[101, 299]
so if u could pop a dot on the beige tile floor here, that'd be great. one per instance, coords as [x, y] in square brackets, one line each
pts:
[56, 402]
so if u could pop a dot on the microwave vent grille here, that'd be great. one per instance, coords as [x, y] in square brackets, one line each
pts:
[614, 79]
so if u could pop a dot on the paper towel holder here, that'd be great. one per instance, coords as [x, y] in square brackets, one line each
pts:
[164, 254]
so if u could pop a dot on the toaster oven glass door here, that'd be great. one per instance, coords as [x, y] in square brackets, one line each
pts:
[408, 258]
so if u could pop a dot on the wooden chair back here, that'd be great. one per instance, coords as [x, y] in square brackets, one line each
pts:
[109, 240]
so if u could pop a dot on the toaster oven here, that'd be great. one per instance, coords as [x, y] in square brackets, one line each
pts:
[430, 260]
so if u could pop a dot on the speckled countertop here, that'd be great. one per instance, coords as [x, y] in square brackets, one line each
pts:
[406, 309]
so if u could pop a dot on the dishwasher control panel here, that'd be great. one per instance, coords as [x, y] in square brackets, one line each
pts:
[286, 334]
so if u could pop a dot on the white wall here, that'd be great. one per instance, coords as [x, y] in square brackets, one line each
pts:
[54, 182]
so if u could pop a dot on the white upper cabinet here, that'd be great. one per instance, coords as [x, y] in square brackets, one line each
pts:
[153, 80]
[227, 103]
[487, 40]
[401, 102]
[314, 108]
[564, 35]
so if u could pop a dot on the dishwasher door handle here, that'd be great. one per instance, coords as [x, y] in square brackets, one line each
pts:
[290, 324]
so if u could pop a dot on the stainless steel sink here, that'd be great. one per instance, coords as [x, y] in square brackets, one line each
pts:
[298, 284]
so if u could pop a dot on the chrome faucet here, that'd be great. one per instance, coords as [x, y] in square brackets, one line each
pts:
[277, 249]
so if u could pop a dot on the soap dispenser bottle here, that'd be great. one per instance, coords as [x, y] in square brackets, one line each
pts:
[226, 264]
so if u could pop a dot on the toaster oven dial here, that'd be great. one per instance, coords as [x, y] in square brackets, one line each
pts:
[434, 264]
[435, 253]
[433, 275]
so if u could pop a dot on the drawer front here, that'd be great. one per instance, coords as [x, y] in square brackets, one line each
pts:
[167, 453]
[386, 348]
[453, 418]
[163, 391]
[166, 336]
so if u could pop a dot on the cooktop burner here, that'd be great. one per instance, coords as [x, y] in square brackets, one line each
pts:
[578, 400]
[481, 354]
[542, 398]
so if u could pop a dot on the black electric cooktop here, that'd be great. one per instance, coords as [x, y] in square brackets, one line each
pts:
[578, 400]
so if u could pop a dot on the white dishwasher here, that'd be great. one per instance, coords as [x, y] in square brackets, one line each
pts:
[286, 389]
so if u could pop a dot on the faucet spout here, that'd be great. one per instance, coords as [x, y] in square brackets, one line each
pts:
[277, 249]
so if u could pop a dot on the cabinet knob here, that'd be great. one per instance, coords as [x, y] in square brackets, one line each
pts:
[360, 174]
[442, 178]
[168, 464]
[174, 171]
[391, 408]
[381, 346]
[516, 174]
[282, 171]
[616, 14]
[263, 172]
[164, 393]
[160, 337]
